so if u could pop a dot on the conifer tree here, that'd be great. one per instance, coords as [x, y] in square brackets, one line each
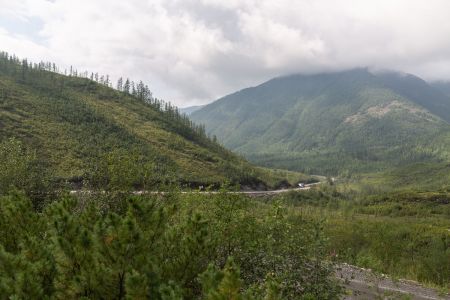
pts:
[120, 84]
[126, 86]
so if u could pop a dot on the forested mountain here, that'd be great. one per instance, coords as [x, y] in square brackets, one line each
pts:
[121, 245]
[80, 129]
[334, 123]
[418, 91]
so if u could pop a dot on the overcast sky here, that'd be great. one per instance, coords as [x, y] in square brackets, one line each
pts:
[194, 51]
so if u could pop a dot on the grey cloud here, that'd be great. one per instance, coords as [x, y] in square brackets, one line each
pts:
[193, 51]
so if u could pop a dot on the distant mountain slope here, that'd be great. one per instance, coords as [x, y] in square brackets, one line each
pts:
[417, 90]
[333, 123]
[75, 123]
[190, 109]
[443, 86]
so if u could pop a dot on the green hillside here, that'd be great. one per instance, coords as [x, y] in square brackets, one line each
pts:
[80, 129]
[418, 91]
[336, 123]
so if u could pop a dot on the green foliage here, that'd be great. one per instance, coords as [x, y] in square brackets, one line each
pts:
[15, 164]
[403, 234]
[159, 247]
[266, 240]
[123, 171]
[222, 285]
[422, 177]
[414, 249]
[20, 169]
[76, 128]
[330, 124]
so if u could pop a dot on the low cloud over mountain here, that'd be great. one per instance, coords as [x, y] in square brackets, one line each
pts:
[194, 51]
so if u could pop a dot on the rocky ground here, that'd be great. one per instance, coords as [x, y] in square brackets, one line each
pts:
[364, 284]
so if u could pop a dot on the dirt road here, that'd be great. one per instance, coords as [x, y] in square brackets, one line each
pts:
[364, 284]
[249, 193]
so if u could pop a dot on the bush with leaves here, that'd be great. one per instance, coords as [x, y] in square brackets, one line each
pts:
[159, 247]
[20, 169]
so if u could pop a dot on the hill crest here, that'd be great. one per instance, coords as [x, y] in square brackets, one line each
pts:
[323, 122]
[77, 126]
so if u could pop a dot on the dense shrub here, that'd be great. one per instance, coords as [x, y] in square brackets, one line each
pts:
[160, 247]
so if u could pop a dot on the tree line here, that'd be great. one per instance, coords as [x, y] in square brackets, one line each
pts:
[36, 74]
